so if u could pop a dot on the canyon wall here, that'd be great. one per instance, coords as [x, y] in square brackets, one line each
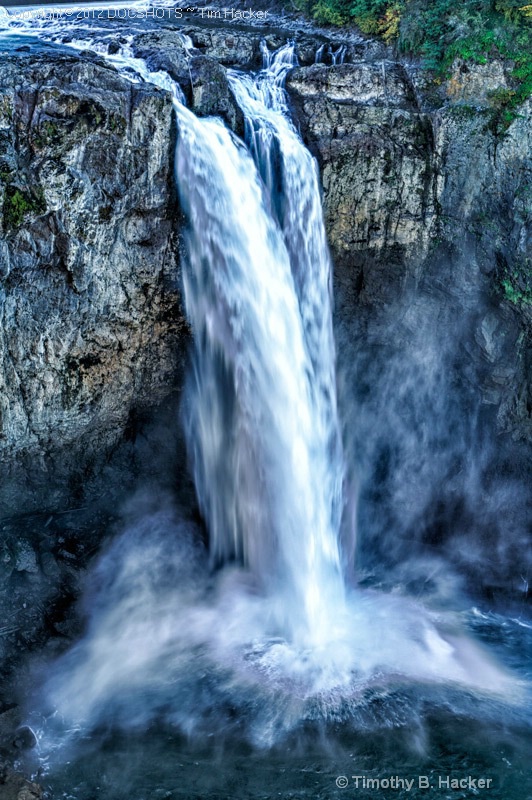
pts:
[422, 195]
[427, 204]
[92, 327]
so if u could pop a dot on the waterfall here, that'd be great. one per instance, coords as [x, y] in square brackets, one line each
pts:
[261, 416]
[318, 58]
[338, 55]
[281, 641]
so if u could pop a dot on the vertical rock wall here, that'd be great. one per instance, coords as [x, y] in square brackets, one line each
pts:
[91, 325]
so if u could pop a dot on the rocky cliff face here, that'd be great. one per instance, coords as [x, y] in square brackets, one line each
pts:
[419, 192]
[92, 326]
[428, 219]
[428, 214]
[92, 329]
[426, 208]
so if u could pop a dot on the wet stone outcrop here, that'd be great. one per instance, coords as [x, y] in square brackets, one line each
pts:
[375, 151]
[14, 787]
[429, 223]
[211, 94]
[162, 50]
[201, 77]
[92, 327]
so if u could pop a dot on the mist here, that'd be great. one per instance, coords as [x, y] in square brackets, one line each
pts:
[442, 500]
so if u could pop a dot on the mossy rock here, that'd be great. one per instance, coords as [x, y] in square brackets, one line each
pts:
[516, 283]
[18, 203]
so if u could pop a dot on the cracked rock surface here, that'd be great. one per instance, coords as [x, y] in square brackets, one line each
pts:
[91, 321]
[420, 195]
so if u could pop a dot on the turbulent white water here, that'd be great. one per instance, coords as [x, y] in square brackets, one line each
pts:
[280, 639]
[263, 422]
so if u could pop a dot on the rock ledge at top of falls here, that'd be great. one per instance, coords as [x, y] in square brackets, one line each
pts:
[363, 83]
[92, 328]
[237, 45]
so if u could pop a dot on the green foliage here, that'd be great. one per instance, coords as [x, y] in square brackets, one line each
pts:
[517, 284]
[367, 14]
[441, 31]
[503, 110]
[17, 204]
[330, 12]
[116, 123]
[325, 12]
[45, 133]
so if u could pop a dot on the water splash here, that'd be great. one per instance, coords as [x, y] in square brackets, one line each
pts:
[166, 641]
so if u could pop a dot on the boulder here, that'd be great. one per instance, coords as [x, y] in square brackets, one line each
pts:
[212, 95]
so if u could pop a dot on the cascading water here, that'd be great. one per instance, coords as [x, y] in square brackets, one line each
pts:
[283, 640]
[263, 425]
[337, 56]
[261, 416]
